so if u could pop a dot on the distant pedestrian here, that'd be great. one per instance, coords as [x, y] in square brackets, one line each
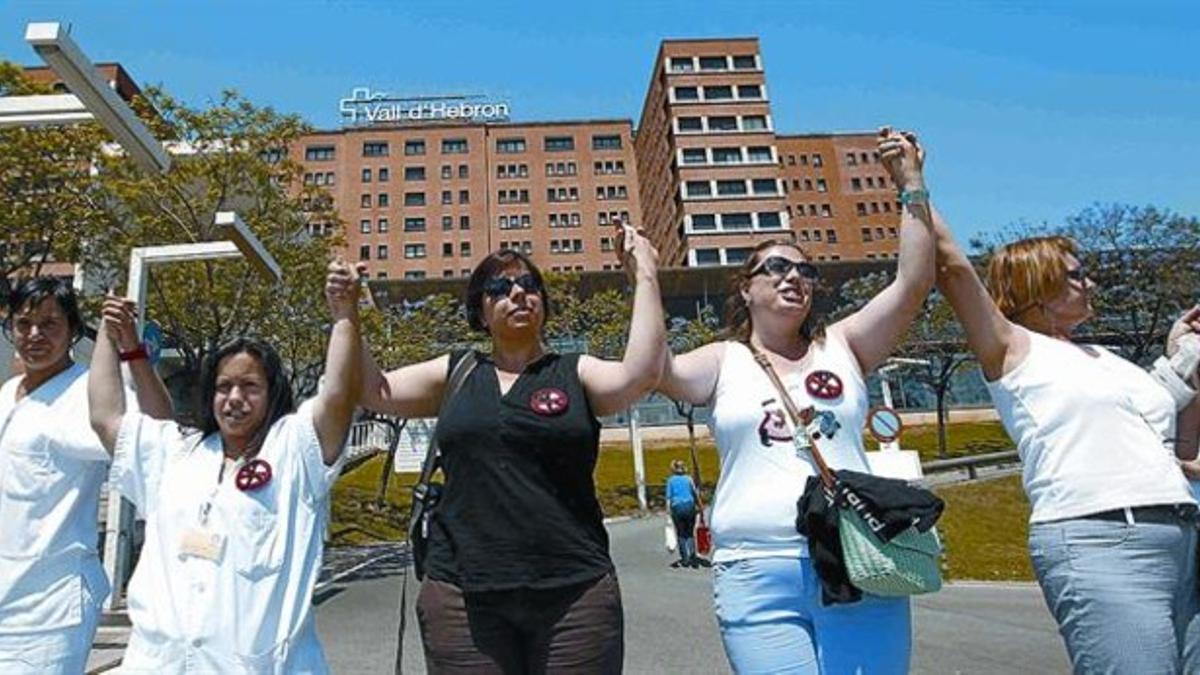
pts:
[682, 499]
[767, 593]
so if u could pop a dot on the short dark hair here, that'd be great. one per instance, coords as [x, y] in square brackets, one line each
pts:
[487, 268]
[33, 291]
[279, 388]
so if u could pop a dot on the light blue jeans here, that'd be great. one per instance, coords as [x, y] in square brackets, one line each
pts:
[772, 621]
[1123, 594]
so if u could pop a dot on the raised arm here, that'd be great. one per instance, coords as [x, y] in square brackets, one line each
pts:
[998, 344]
[412, 391]
[152, 396]
[874, 331]
[692, 377]
[612, 385]
[333, 409]
[106, 395]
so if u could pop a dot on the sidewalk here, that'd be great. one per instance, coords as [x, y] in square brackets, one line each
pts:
[110, 642]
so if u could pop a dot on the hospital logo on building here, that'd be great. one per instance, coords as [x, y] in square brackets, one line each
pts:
[365, 107]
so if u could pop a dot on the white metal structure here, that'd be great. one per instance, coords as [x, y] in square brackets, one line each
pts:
[890, 460]
[242, 242]
[90, 98]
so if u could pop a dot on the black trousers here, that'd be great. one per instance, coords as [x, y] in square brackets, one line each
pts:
[574, 629]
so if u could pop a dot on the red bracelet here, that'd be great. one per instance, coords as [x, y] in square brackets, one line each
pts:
[136, 354]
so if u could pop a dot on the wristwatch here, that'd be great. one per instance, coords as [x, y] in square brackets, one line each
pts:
[914, 196]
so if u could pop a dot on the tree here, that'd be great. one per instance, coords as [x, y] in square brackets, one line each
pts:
[1146, 265]
[935, 337]
[51, 205]
[231, 155]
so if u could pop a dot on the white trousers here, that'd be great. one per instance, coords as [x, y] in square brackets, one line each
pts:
[61, 651]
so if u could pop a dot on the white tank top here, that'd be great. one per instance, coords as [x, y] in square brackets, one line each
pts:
[1094, 431]
[754, 511]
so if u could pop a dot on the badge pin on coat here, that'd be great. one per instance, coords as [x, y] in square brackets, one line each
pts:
[549, 402]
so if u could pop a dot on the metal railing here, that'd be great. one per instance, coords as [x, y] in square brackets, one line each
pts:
[971, 463]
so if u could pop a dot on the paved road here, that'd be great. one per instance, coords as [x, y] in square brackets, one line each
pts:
[985, 629]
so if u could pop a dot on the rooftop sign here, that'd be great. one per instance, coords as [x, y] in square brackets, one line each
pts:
[365, 108]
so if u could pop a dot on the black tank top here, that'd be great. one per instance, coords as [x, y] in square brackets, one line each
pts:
[519, 508]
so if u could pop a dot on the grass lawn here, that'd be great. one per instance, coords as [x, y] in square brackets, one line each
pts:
[984, 526]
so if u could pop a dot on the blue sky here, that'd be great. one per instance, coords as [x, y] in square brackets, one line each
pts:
[1030, 110]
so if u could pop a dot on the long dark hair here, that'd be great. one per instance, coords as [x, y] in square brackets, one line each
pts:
[280, 401]
[737, 314]
[487, 268]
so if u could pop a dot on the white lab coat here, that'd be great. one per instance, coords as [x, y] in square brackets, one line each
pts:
[249, 608]
[52, 466]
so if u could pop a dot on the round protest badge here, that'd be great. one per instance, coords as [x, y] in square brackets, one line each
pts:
[254, 475]
[549, 402]
[884, 424]
[823, 384]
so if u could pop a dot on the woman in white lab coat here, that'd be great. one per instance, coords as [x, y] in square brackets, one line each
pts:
[51, 468]
[235, 510]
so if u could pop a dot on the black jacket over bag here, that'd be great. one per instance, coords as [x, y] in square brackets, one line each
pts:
[894, 502]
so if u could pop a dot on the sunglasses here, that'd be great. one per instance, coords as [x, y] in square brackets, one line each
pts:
[1078, 274]
[779, 266]
[498, 287]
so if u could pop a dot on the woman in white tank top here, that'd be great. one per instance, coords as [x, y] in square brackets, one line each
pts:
[766, 591]
[1112, 531]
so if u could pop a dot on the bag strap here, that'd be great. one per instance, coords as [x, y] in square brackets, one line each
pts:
[454, 382]
[458, 375]
[796, 417]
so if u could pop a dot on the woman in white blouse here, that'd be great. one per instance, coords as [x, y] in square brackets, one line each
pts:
[235, 511]
[1112, 533]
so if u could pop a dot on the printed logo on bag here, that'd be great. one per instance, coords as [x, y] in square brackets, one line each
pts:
[823, 384]
[860, 507]
[549, 401]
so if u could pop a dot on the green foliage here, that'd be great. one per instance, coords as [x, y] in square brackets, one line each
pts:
[1144, 262]
[51, 204]
[231, 155]
[687, 334]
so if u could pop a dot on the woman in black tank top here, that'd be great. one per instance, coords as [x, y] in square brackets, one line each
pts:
[518, 575]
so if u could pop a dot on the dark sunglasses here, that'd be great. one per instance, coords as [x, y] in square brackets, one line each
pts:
[498, 287]
[1078, 274]
[779, 266]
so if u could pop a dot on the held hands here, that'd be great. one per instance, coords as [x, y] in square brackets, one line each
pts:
[1188, 324]
[903, 157]
[118, 317]
[342, 286]
[635, 252]
[1183, 346]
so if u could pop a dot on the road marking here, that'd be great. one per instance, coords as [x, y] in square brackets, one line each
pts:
[342, 575]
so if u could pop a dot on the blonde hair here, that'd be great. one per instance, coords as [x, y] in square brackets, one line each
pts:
[677, 466]
[1029, 272]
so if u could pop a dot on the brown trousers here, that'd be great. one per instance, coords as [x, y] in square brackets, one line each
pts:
[574, 629]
